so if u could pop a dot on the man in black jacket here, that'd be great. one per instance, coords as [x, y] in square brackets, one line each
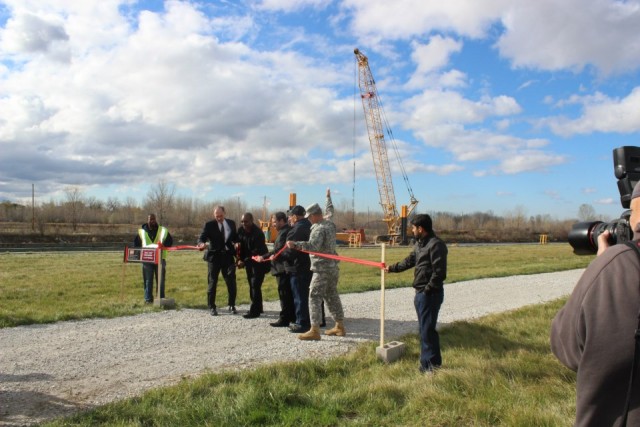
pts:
[221, 236]
[298, 266]
[251, 242]
[287, 306]
[429, 257]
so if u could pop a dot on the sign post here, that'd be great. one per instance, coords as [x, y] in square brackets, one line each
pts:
[150, 256]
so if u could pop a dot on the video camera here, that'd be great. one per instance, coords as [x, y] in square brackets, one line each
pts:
[583, 236]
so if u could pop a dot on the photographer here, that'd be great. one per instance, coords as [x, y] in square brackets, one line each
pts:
[593, 334]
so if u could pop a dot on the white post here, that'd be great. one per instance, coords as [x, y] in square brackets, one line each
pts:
[382, 272]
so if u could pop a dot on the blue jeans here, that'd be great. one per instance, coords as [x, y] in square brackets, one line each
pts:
[300, 283]
[148, 273]
[427, 309]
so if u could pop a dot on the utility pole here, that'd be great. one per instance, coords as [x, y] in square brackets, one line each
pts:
[33, 207]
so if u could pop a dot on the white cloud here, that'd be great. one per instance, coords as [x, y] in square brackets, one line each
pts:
[600, 113]
[572, 34]
[435, 54]
[606, 201]
[292, 5]
[164, 97]
[404, 19]
[544, 34]
[433, 107]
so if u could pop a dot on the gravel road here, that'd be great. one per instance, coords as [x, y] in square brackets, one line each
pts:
[53, 370]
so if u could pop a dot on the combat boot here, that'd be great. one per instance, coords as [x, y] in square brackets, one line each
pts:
[312, 334]
[338, 330]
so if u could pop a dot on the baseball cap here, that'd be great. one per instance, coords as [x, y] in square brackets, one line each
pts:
[296, 210]
[314, 209]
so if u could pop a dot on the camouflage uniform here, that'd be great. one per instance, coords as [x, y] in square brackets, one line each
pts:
[324, 283]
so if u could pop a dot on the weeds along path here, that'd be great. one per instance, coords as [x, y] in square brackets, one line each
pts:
[54, 370]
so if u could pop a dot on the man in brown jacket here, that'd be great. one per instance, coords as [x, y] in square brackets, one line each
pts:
[593, 334]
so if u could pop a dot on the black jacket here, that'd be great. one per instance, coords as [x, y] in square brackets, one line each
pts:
[277, 265]
[429, 257]
[252, 243]
[296, 261]
[218, 246]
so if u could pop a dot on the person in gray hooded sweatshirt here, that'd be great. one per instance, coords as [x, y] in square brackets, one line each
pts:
[593, 334]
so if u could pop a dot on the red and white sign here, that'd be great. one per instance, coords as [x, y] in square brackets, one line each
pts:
[141, 255]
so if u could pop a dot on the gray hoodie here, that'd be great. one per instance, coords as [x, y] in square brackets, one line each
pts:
[593, 334]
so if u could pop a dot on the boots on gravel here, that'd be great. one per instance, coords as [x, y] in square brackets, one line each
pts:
[312, 334]
[337, 330]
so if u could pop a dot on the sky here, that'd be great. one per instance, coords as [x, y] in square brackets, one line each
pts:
[495, 106]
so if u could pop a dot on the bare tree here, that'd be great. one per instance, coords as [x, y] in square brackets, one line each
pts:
[160, 199]
[586, 212]
[74, 205]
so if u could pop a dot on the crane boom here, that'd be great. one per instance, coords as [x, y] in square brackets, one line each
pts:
[375, 128]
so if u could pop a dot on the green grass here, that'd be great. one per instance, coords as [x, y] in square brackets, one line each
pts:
[50, 287]
[498, 371]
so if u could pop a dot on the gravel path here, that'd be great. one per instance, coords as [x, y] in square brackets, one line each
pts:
[53, 370]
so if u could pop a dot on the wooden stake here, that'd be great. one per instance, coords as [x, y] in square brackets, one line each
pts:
[382, 273]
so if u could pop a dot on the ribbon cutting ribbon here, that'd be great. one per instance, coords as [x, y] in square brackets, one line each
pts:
[177, 248]
[380, 265]
[271, 258]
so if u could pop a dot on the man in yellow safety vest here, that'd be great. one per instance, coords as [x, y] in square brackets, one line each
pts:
[149, 235]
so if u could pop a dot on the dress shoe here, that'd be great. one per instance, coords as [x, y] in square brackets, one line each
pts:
[232, 309]
[281, 323]
[250, 315]
[214, 312]
[297, 329]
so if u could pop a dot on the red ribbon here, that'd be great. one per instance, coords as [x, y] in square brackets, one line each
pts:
[177, 248]
[380, 265]
[255, 258]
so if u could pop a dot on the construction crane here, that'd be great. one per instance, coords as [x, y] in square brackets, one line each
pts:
[376, 123]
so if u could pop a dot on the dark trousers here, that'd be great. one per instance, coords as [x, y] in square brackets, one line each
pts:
[148, 273]
[222, 264]
[300, 289]
[255, 277]
[287, 306]
[427, 308]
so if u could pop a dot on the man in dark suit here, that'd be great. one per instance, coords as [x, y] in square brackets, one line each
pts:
[220, 256]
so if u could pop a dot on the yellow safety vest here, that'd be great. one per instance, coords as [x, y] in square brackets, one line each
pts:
[160, 236]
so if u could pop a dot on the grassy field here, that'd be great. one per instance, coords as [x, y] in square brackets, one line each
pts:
[498, 371]
[50, 287]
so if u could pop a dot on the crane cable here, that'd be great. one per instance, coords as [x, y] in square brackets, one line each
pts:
[389, 132]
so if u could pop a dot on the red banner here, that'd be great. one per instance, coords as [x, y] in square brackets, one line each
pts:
[379, 265]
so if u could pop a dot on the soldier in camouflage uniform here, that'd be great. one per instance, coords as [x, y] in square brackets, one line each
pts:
[324, 283]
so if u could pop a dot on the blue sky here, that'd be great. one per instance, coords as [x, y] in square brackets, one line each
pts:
[495, 105]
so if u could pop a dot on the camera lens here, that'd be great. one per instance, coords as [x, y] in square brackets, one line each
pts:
[583, 236]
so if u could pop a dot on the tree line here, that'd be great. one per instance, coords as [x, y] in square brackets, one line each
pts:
[188, 213]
